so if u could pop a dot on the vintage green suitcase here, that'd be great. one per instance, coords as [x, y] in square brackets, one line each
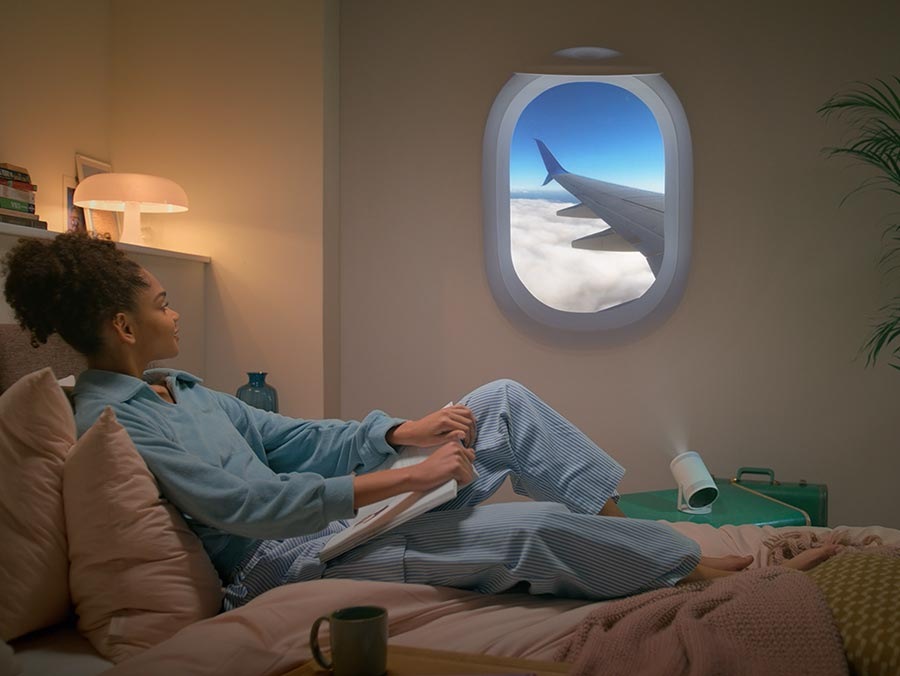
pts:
[735, 506]
[811, 498]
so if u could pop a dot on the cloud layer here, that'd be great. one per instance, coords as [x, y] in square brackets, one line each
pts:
[574, 280]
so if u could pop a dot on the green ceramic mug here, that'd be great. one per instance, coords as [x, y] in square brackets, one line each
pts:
[358, 641]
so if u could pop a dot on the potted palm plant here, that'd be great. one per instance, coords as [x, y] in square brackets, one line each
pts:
[873, 113]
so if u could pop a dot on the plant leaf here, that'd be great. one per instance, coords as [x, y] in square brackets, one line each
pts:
[873, 111]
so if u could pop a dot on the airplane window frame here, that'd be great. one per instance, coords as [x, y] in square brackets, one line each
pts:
[663, 295]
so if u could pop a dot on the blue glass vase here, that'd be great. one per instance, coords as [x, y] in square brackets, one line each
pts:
[257, 393]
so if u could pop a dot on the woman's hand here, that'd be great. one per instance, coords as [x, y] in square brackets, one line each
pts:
[450, 423]
[450, 461]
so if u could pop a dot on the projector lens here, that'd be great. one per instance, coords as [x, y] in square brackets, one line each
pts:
[704, 497]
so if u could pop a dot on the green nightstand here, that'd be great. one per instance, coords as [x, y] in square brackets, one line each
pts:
[734, 506]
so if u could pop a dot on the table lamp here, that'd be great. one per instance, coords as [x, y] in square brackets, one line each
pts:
[696, 488]
[133, 194]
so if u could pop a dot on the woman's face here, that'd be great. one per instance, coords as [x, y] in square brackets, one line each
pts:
[156, 323]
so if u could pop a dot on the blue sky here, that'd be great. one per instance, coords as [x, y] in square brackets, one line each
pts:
[594, 129]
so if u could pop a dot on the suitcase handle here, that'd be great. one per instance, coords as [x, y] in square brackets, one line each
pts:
[757, 470]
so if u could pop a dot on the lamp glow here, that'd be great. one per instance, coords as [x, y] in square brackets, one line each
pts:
[132, 194]
[696, 489]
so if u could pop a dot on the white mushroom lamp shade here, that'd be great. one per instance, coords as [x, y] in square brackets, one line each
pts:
[132, 194]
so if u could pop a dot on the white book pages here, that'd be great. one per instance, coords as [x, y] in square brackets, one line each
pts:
[381, 516]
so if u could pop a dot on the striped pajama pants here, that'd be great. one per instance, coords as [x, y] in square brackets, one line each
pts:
[557, 545]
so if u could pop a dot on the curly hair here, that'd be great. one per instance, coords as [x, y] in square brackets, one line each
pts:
[70, 285]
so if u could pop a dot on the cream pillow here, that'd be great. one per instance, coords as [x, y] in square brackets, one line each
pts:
[36, 431]
[138, 573]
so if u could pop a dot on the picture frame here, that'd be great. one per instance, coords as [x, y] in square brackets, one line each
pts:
[73, 217]
[105, 224]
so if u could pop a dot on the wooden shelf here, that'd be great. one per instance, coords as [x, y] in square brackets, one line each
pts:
[36, 233]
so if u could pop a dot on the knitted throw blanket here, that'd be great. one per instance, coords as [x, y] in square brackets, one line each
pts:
[769, 621]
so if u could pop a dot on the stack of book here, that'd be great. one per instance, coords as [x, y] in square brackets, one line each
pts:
[17, 197]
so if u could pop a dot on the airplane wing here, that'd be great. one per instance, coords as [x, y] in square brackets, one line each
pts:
[634, 216]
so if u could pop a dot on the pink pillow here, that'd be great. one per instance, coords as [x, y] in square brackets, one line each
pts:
[138, 573]
[36, 431]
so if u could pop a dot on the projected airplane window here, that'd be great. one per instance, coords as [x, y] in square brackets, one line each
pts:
[586, 189]
[588, 202]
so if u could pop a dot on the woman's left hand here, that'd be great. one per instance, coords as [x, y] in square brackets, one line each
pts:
[450, 423]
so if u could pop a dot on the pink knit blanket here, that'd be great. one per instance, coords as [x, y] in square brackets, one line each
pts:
[768, 621]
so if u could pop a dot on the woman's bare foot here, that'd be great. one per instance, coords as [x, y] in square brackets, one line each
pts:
[729, 563]
[702, 572]
[809, 559]
[711, 567]
[611, 509]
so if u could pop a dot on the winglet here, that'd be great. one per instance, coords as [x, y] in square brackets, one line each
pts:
[553, 167]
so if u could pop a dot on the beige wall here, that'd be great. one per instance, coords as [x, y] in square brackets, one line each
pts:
[331, 244]
[56, 93]
[756, 366]
[57, 101]
[227, 99]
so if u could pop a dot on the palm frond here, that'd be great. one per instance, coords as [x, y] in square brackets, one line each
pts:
[869, 183]
[890, 256]
[891, 241]
[879, 136]
[888, 165]
[866, 101]
[878, 145]
[885, 333]
[874, 111]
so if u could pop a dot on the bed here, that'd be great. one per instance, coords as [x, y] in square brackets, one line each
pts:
[95, 598]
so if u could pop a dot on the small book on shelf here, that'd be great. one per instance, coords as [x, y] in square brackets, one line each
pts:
[23, 222]
[16, 194]
[16, 205]
[382, 516]
[18, 185]
[12, 213]
[14, 172]
[13, 167]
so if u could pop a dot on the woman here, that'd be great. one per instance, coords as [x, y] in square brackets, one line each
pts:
[264, 492]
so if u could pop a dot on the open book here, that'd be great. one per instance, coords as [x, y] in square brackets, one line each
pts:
[379, 517]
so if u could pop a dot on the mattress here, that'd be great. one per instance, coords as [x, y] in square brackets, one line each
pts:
[270, 635]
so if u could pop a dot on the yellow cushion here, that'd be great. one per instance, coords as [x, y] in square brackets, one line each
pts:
[863, 592]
